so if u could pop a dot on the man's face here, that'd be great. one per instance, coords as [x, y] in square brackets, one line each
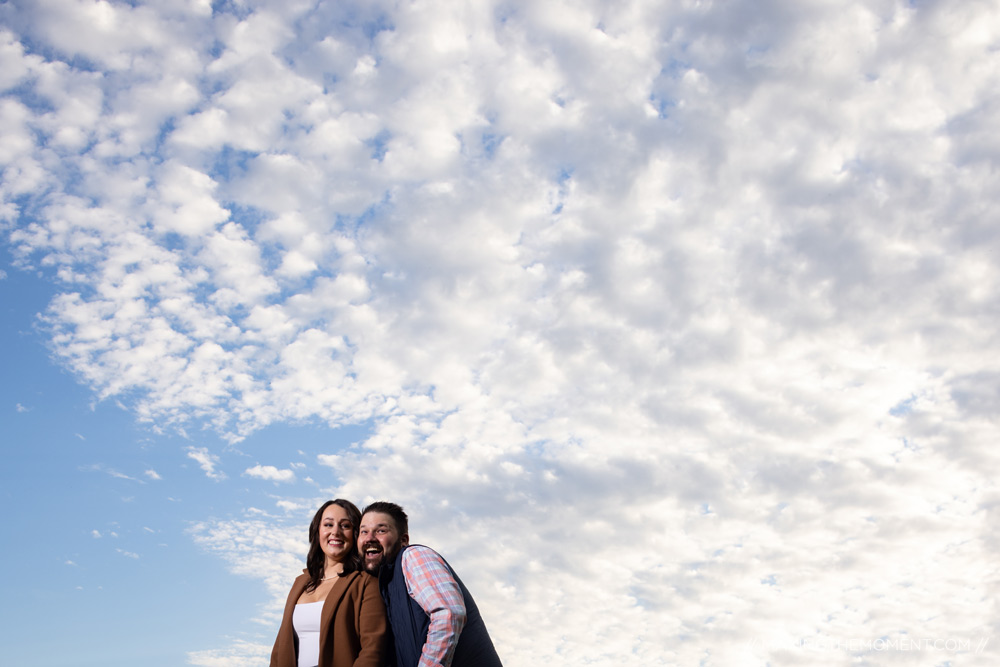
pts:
[379, 540]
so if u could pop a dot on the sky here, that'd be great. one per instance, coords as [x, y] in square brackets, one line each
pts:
[673, 325]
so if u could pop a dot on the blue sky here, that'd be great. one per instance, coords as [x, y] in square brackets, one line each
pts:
[672, 325]
[79, 473]
[121, 501]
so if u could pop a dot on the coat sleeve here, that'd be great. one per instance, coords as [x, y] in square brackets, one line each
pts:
[372, 626]
[283, 651]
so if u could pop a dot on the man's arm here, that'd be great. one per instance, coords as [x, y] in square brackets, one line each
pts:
[429, 582]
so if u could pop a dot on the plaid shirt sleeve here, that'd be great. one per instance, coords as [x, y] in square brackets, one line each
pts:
[429, 582]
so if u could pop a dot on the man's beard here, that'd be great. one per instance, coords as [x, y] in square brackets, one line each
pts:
[373, 565]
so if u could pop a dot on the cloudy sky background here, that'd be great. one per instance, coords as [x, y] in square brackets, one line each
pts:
[673, 325]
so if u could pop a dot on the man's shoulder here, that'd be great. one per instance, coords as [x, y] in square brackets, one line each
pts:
[417, 560]
[418, 550]
[418, 554]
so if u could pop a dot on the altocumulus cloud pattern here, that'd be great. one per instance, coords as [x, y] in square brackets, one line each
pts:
[675, 323]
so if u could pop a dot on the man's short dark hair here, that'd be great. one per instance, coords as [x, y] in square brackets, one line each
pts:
[393, 510]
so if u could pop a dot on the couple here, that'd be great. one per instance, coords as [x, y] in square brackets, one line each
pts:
[370, 599]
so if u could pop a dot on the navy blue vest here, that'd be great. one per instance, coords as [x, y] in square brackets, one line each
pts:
[409, 623]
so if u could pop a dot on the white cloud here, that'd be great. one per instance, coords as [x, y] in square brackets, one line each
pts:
[258, 548]
[186, 204]
[207, 461]
[99, 467]
[291, 506]
[682, 311]
[241, 653]
[152, 474]
[270, 473]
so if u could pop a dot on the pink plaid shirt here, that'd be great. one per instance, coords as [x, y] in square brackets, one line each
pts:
[429, 582]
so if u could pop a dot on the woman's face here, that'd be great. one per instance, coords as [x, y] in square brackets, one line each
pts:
[336, 533]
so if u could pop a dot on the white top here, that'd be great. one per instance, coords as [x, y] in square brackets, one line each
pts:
[305, 622]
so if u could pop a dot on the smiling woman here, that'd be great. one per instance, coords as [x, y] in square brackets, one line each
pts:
[334, 615]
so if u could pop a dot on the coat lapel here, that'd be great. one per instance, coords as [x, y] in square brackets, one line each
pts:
[332, 601]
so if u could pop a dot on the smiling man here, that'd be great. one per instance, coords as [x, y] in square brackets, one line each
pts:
[433, 618]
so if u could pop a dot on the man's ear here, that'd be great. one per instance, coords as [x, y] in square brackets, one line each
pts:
[405, 540]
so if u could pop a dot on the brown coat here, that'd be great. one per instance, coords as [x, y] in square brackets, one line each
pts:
[353, 628]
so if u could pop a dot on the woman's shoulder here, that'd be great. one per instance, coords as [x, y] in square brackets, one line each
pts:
[360, 576]
[363, 587]
[295, 590]
[300, 582]
[361, 579]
